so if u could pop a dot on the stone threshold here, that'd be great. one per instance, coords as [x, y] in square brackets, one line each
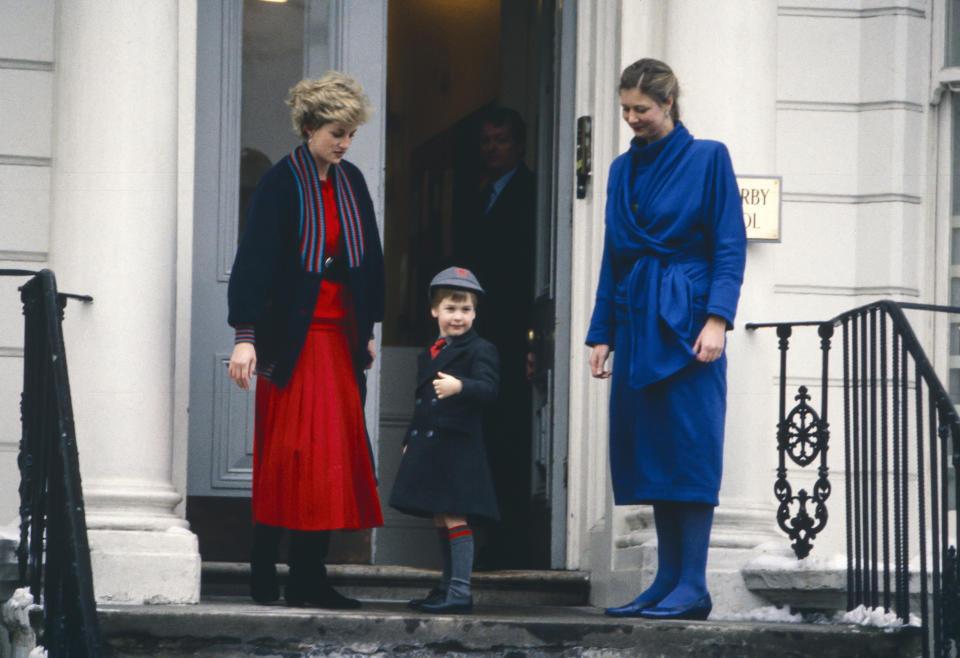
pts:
[525, 587]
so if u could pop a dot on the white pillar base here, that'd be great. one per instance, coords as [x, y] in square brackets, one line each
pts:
[140, 551]
[738, 530]
[145, 566]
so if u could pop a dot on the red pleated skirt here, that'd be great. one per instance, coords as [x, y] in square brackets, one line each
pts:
[311, 463]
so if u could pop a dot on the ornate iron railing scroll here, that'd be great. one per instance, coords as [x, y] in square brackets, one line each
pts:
[901, 444]
[803, 435]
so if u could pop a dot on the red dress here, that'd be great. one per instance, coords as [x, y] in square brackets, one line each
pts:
[311, 462]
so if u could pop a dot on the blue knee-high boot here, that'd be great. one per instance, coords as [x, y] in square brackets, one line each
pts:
[665, 518]
[689, 599]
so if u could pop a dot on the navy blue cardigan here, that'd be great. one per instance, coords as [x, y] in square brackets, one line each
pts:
[269, 290]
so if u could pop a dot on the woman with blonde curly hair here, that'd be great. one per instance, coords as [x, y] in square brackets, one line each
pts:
[306, 288]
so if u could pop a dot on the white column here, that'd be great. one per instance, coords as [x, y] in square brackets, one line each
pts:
[725, 57]
[113, 236]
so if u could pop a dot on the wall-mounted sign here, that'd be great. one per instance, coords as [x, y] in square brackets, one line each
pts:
[761, 207]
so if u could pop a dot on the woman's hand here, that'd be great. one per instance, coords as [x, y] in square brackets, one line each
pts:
[372, 351]
[598, 357]
[710, 342]
[243, 362]
[446, 385]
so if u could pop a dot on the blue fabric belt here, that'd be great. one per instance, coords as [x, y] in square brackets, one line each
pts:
[660, 310]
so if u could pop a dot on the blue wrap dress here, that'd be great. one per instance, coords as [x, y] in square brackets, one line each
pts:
[674, 253]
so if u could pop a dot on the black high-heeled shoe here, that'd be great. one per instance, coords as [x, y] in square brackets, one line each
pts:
[699, 610]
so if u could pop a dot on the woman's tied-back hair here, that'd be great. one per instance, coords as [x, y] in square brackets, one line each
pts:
[334, 97]
[655, 79]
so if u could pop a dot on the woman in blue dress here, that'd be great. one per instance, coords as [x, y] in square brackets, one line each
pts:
[673, 260]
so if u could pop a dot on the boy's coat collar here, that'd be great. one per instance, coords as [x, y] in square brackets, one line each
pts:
[447, 354]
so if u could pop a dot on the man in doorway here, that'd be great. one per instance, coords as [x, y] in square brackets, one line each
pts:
[494, 236]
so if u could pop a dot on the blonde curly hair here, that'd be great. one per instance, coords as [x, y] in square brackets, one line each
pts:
[334, 97]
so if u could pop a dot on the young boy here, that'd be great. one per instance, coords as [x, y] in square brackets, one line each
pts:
[444, 471]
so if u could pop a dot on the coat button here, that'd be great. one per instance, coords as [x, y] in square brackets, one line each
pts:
[418, 402]
[413, 432]
[429, 434]
[433, 402]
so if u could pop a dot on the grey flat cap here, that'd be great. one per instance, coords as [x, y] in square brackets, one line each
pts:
[456, 277]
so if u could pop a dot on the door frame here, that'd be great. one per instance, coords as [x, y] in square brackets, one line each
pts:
[562, 185]
[565, 194]
[365, 59]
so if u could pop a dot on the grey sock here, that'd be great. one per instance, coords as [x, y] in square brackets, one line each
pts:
[461, 564]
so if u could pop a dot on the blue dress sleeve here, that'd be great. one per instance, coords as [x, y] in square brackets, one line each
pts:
[603, 322]
[727, 238]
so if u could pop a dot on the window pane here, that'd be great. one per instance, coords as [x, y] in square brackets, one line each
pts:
[955, 385]
[273, 61]
[955, 159]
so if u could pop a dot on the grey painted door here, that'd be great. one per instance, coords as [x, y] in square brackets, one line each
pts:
[249, 53]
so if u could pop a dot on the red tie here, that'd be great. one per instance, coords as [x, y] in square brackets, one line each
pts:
[436, 347]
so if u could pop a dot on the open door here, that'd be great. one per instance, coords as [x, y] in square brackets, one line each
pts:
[249, 53]
[447, 67]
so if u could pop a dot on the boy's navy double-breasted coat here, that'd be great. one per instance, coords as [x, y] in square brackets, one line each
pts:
[444, 469]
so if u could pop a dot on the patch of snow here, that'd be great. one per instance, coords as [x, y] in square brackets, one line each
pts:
[16, 620]
[21, 598]
[767, 613]
[864, 616]
[860, 616]
[781, 562]
[38, 652]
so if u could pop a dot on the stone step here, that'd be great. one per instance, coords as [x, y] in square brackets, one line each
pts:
[226, 627]
[391, 583]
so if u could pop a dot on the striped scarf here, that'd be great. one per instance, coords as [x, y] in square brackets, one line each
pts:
[312, 227]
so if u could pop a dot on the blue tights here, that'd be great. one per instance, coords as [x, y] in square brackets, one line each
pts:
[683, 537]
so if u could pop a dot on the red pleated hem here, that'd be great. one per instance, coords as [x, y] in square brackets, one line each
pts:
[311, 467]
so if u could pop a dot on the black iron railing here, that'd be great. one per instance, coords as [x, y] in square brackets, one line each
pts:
[901, 445]
[53, 555]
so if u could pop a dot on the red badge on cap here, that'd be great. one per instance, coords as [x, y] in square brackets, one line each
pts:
[461, 272]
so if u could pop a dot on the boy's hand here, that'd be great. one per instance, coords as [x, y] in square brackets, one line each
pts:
[446, 385]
